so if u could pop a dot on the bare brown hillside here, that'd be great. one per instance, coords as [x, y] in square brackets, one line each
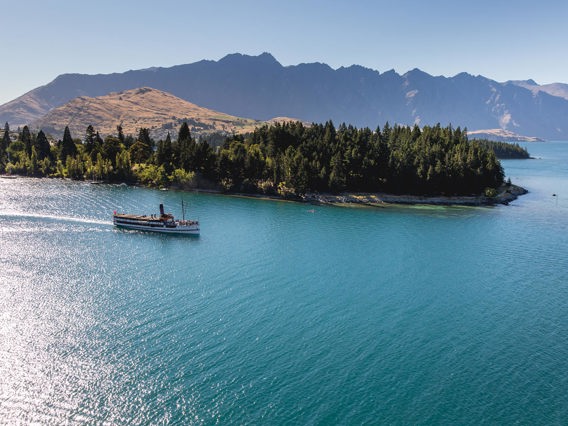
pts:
[158, 111]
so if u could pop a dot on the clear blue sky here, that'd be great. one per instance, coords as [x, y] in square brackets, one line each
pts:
[499, 39]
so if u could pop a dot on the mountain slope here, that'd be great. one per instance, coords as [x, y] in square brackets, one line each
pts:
[553, 89]
[260, 87]
[158, 111]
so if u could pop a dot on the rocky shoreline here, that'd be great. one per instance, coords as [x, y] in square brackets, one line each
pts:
[506, 194]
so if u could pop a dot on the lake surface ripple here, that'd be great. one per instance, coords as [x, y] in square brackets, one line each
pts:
[280, 314]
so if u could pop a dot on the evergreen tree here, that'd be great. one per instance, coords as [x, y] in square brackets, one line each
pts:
[183, 149]
[184, 133]
[93, 143]
[120, 134]
[128, 141]
[26, 138]
[41, 144]
[287, 158]
[164, 154]
[68, 147]
[110, 148]
[141, 150]
[4, 144]
[144, 137]
[89, 141]
[205, 160]
[6, 139]
[98, 143]
[337, 178]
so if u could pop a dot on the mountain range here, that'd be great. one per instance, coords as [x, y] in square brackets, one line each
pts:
[259, 87]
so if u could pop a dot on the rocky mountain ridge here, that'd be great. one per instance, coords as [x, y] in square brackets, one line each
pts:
[259, 87]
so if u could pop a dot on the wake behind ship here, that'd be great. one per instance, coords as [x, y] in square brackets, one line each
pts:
[164, 223]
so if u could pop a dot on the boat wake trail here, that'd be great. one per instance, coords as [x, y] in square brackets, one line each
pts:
[57, 218]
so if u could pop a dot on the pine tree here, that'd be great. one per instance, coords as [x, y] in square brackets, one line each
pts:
[42, 146]
[68, 148]
[6, 139]
[26, 138]
[164, 154]
[89, 140]
[184, 149]
[110, 148]
[184, 133]
[144, 137]
[4, 144]
[141, 150]
[120, 134]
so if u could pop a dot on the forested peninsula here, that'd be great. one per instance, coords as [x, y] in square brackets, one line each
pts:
[289, 160]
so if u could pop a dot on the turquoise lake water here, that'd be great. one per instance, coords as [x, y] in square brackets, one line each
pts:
[277, 314]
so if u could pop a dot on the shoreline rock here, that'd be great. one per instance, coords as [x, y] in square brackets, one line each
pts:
[505, 196]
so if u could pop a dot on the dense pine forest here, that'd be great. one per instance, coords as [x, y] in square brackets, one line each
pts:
[504, 150]
[287, 159]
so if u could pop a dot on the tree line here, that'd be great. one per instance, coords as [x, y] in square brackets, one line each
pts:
[288, 159]
[504, 150]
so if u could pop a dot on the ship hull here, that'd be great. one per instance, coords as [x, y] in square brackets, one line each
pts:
[156, 226]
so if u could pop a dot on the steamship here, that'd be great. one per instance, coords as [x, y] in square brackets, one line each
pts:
[164, 223]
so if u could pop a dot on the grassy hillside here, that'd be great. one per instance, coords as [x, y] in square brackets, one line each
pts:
[158, 111]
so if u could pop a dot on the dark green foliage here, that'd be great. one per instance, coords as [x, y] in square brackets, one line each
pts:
[432, 160]
[120, 135]
[504, 150]
[68, 147]
[42, 147]
[90, 141]
[289, 159]
[5, 139]
[204, 158]
[4, 144]
[231, 164]
[26, 137]
[128, 141]
[184, 133]
[165, 154]
[110, 148]
[184, 149]
[144, 137]
[141, 151]
[215, 140]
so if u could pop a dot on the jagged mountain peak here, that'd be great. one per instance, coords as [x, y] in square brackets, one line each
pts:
[264, 58]
[417, 73]
[462, 75]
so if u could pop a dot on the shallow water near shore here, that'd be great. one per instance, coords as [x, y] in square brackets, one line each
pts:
[284, 312]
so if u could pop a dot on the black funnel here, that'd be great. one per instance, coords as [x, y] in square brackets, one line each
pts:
[162, 209]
